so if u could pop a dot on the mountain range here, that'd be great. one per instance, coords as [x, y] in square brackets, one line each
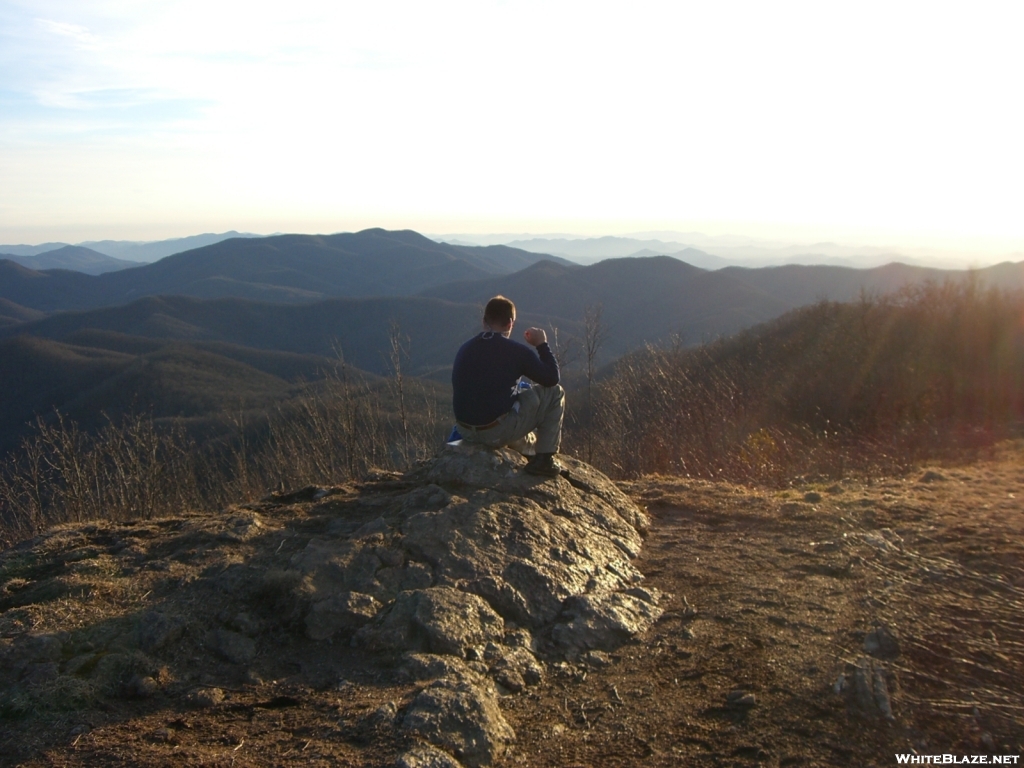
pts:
[282, 268]
[715, 252]
[246, 320]
[356, 327]
[71, 257]
[647, 300]
[138, 252]
[374, 276]
[177, 356]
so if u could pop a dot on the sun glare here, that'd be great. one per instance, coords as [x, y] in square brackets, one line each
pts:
[876, 122]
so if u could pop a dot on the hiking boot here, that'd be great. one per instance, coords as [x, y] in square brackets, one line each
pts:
[543, 464]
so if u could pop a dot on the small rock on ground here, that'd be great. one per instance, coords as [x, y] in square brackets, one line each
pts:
[231, 646]
[460, 717]
[425, 756]
[206, 697]
[882, 643]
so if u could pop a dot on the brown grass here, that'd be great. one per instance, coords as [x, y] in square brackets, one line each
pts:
[340, 429]
[874, 386]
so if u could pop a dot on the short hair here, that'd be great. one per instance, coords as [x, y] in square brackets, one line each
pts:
[499, 311]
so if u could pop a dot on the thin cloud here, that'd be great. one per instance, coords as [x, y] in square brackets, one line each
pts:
[80, 35]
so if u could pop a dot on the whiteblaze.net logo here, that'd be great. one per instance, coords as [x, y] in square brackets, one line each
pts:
[908, 759]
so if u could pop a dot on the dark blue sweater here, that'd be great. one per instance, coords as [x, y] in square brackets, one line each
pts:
[485, 373]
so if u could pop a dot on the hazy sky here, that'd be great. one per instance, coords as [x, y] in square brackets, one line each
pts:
[879, 122]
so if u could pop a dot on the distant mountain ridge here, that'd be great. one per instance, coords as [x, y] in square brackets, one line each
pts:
[72, 257]
[30, 250]
[643, 300]
[142, 252]
[718, 251]
[691, 256]
[593, 249]
[282, 268]
[151, 251]
[646, 300]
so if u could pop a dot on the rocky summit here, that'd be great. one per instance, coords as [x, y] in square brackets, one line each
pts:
[462, 613]
[455, 584]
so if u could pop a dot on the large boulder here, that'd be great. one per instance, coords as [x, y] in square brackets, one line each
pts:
[479, 569]
[465, 543]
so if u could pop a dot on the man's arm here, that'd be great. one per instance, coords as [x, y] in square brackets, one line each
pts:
[543, 368]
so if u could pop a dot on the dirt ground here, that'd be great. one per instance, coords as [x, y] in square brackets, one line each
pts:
[774, 594]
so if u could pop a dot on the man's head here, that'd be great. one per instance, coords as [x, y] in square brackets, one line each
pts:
[499, 314]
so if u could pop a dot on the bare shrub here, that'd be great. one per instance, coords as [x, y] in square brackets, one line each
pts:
[595, 332]
[128, 470]
[333, 433]
[932, 371]
[398, 353]
[337, 430]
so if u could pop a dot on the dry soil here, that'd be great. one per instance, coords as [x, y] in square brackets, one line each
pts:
[774, 594]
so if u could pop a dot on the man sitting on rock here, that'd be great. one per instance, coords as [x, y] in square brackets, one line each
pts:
[490, 407]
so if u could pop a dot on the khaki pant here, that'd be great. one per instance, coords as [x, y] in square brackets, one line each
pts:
[540, 409]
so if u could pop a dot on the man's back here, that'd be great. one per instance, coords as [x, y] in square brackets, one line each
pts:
[485, 373]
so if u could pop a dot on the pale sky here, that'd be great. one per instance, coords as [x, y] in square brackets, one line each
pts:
[885, 123]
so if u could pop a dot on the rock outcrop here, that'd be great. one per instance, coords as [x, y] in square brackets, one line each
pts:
[551, 556]
[473, 559]
[464, 575]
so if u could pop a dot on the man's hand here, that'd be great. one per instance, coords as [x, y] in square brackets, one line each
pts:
[535, 336]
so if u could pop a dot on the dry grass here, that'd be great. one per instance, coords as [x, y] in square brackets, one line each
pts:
[871, 387]
[340, 429]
